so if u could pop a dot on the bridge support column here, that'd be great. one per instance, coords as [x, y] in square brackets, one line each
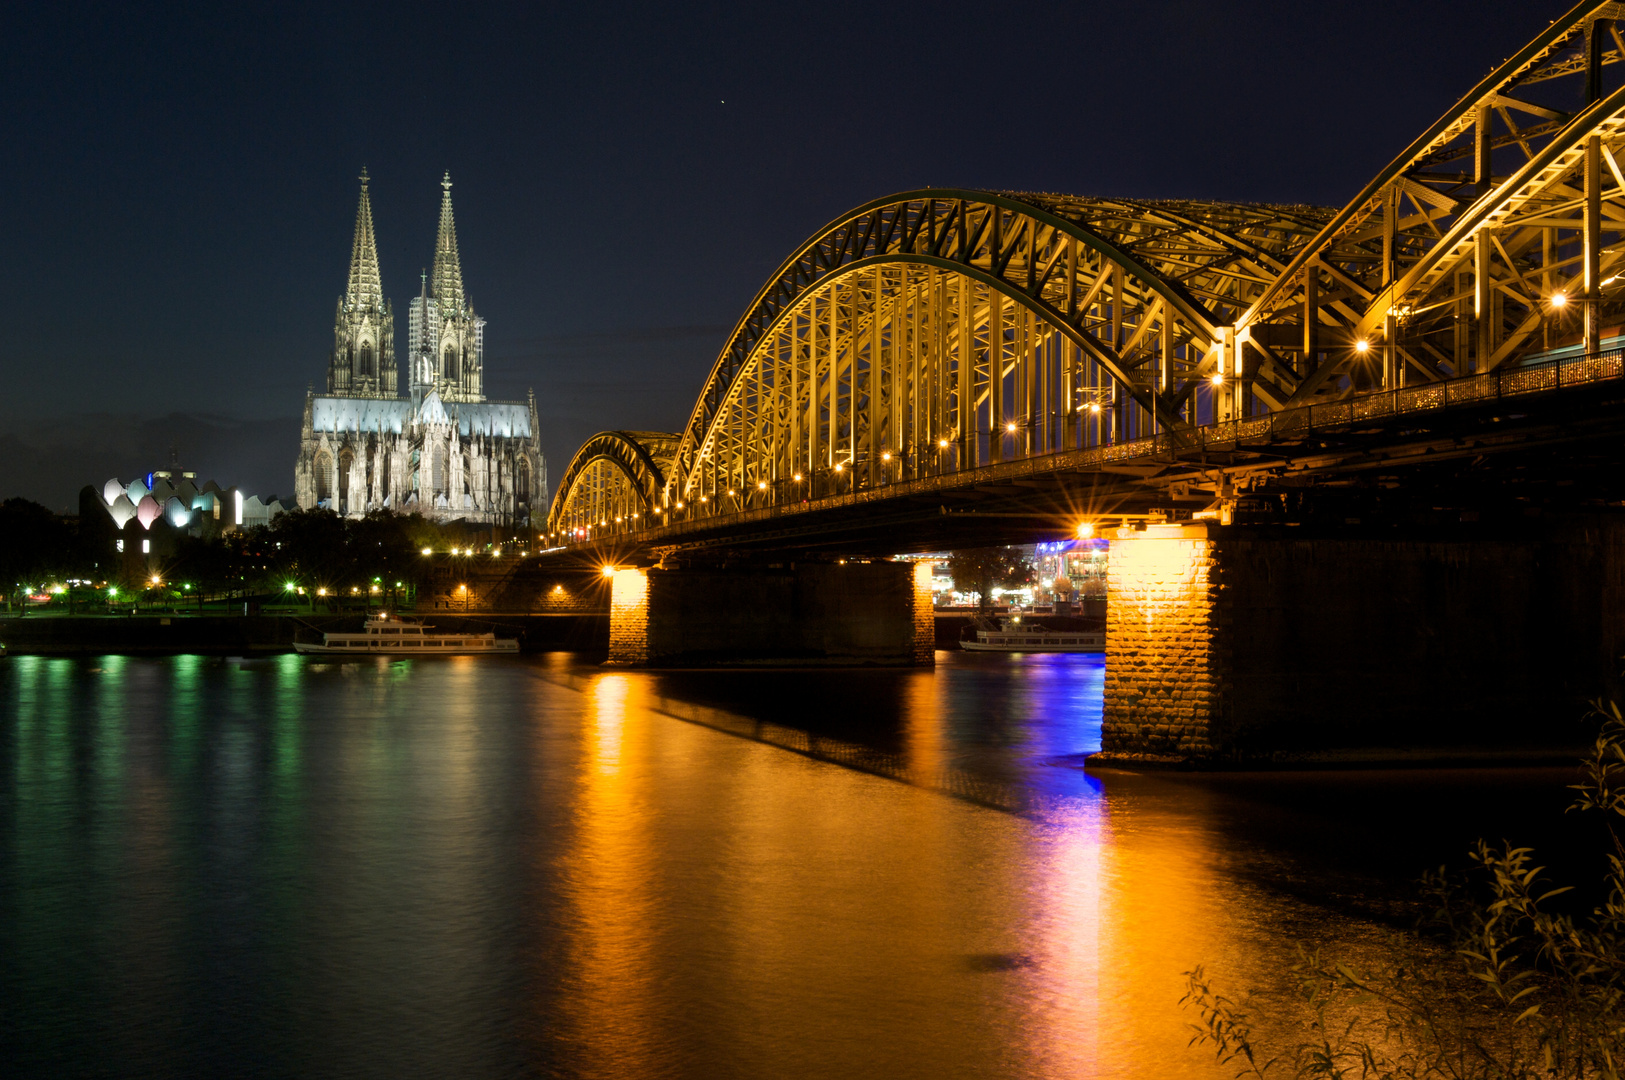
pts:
[796, 613]
[1164, 651]
[1265, 643]
[629, 617]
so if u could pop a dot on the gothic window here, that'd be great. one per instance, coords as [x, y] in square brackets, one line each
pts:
[468, 477]
[324, 476]
[366, 360]
[439, 473]
[521, 484]
[346, 463]
[449, 368]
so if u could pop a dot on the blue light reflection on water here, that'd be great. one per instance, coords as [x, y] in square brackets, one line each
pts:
[1044, 707]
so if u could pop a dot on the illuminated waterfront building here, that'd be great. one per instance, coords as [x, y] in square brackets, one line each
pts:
[443, 450]
[1081, 563]
[136, 525]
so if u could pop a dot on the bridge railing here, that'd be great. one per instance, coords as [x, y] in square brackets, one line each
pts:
[1535, 378]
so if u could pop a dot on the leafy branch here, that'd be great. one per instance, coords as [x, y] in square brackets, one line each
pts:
[1497, 987]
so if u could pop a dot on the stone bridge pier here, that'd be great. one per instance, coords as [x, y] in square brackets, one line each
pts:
[1237, 643]
[814, 613]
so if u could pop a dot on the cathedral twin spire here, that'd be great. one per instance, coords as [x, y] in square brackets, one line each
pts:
[448, 273]
[446, 337]
[366, 287]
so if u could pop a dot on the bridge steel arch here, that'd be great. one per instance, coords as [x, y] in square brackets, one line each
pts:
[1482, 243]
[940, 330]
[612, 483]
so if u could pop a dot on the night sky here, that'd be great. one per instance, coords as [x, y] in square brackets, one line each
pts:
[180, 187]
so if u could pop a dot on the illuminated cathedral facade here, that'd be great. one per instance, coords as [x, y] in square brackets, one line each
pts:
[443, 450]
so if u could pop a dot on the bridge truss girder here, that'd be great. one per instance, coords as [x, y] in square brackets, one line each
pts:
[939, 330]
[612, 484]
[1467, 237]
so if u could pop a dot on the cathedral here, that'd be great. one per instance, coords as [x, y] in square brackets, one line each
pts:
[443, 450]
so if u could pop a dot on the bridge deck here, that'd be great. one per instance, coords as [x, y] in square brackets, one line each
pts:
[1052, 491]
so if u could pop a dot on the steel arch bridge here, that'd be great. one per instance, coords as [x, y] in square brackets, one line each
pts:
[615, 480]
[932, 334]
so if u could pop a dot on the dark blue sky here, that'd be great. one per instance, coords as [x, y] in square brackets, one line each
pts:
[180, 185]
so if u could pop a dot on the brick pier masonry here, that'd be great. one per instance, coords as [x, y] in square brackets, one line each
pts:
[1245, 643]
[790, 613]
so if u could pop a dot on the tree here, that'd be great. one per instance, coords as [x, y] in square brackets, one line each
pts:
[307, 546]
[981, 570]
[35, 545]
[320, 550]
[1498, 986]
[213, 566]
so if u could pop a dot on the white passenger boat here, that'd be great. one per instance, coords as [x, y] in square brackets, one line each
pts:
[1013, 635]
[388, 635]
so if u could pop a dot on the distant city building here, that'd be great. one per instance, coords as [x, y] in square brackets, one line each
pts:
[443, 450]
[141, 520]
[175, 499]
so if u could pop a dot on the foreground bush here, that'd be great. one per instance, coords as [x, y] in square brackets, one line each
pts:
[1516, 991]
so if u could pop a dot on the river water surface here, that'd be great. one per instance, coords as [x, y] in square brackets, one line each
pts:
[492, 867]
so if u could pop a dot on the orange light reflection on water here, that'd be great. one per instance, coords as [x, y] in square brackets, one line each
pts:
[607, 996]
[735, 904]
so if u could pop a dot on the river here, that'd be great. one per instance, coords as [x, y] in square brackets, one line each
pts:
[490, 867]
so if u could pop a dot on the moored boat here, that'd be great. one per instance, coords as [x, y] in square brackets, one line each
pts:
[1013, 635]
[389, 635]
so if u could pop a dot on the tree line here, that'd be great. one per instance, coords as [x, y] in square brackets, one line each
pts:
[300, 554]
